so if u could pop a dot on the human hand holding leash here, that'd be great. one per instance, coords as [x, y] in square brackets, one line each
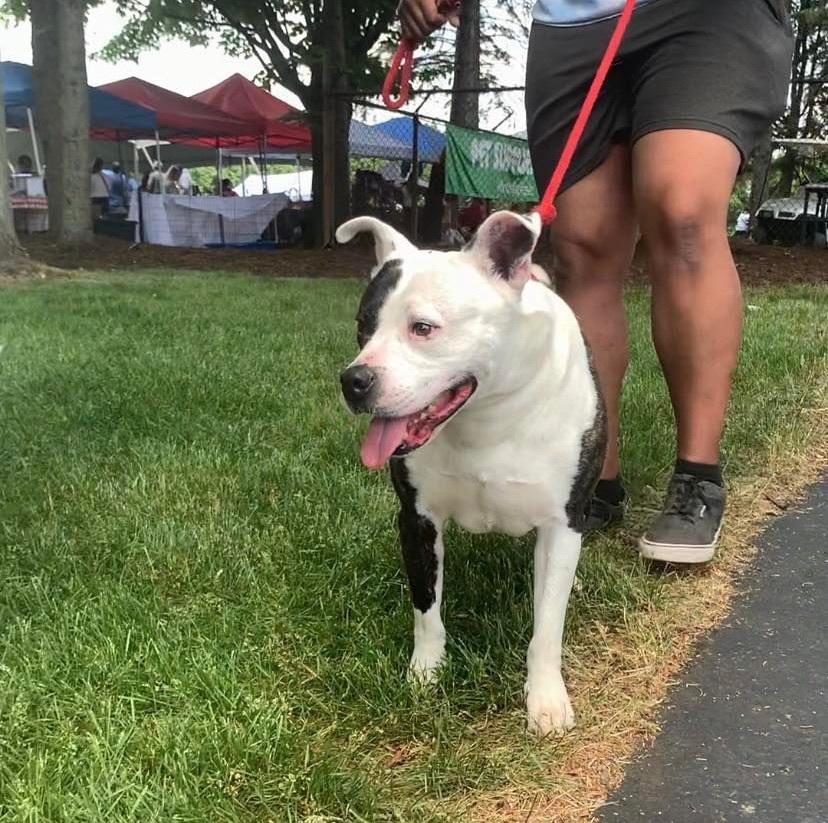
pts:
[420, 18]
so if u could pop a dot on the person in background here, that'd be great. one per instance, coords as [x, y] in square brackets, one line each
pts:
[742, 224]
[185, 182]
[132, 184]
[99, 186]
[118, 191]
[155, 180]
[24, 165]
[171, 182]
[227, 188]
[471, 216]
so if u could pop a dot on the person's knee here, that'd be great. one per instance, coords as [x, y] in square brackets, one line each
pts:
[682, 227]
[589, 256]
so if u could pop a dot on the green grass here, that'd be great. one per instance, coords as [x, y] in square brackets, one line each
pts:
[202, 611]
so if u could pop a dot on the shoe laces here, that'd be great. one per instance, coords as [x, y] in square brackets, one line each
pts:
[685, 498]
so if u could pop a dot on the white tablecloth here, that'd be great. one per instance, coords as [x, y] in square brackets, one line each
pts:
[180, 220]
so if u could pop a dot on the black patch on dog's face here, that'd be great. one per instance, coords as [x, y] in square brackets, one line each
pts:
[593, 450]
[384, 282]
[418, 537]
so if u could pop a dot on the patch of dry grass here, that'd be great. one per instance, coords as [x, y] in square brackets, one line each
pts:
[619, 679]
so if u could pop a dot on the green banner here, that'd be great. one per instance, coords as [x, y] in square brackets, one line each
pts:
[488, 165]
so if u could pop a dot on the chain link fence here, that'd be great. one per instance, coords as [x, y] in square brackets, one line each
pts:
[464, 174]
[436, 182]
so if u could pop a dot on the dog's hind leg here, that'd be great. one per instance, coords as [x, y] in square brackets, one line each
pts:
[421, 540]
[557, 551]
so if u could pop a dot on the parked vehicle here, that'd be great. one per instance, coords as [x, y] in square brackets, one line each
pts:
[780, 219]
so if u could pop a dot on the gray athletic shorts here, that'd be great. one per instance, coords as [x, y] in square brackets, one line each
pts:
[718, 66]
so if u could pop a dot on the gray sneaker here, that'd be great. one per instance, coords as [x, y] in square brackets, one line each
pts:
[688, 529]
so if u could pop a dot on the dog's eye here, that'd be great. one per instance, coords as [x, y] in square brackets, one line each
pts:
[421, 329]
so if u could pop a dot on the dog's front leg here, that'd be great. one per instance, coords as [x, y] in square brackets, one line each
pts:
[421, 540]
[422, 548]
[556, 557]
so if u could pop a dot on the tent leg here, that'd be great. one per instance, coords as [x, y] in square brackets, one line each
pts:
[140, 215]
[413, 178]
[33, 135]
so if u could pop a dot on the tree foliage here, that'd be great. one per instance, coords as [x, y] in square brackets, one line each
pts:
[288, 37]
[807, 112]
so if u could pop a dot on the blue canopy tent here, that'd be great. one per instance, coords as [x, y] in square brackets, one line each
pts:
[110, 117]
[430, 142]
[369, 141]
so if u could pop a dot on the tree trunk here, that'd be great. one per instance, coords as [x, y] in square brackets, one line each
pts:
[465, 106]
[44, 72]
[760, 171]
[73, 115]
[799, 67]
[330, 128]
[432, 224]
[10, 251]
[62, 105]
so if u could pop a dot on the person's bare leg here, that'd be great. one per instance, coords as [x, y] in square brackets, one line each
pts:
[594, 239]
[682, 181]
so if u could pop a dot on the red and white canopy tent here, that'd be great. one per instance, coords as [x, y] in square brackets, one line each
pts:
[235, 114]
[273, 121]
[179, 117]
[276, 124]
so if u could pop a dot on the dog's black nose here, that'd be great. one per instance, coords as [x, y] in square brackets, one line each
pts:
[358, 384]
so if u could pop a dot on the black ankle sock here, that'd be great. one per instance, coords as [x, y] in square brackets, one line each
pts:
[704, 471]
[611, 491]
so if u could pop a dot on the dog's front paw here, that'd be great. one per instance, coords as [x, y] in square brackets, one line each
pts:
[548, 707]
[426, 661]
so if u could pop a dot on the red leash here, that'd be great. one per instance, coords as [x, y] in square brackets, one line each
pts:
[402, 63]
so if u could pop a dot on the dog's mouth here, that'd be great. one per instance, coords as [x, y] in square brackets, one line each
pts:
[396, 436]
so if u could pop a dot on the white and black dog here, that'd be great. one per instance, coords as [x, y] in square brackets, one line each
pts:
[485, 402]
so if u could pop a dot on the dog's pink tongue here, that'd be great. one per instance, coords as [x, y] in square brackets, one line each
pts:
[384, 435]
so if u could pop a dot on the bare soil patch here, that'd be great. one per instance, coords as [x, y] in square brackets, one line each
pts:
[757, 265]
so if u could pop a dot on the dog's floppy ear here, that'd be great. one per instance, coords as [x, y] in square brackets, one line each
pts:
[503, 246]
[388, 242]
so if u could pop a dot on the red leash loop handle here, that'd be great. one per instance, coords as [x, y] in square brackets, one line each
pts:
[399, 72]
[402, 62]
[546, 208]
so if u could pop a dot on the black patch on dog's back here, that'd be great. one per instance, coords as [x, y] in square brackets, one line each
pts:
[418, 536]
[593, 450]
[383, 283]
